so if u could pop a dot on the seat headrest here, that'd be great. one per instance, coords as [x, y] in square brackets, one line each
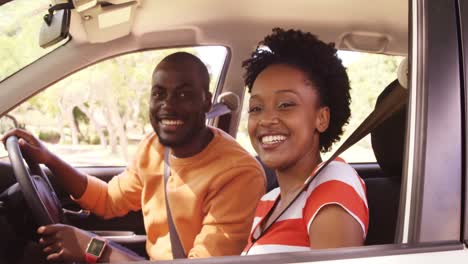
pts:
[388, 138]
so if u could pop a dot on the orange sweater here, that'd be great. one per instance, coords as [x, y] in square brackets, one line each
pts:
[213, 196]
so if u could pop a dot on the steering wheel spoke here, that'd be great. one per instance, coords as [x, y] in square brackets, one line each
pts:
[36, 188]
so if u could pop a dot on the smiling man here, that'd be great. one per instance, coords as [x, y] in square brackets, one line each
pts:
[212, 191]
[179, 101]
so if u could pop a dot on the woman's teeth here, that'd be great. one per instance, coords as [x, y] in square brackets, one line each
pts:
[272, 139]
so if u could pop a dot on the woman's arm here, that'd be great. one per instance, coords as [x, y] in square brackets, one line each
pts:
[333, 227]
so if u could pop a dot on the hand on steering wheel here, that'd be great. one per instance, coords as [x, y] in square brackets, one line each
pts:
[34, 184]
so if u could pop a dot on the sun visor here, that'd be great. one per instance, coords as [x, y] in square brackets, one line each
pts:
[105, 21]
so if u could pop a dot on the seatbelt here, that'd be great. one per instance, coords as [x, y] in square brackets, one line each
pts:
[393, 102]
[217, 109]
[176, 245]
[227, 102]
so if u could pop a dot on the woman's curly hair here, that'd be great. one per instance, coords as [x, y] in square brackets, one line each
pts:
[318, 61]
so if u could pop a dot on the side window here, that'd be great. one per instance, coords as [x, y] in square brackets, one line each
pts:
[97, 116]
[369, 74]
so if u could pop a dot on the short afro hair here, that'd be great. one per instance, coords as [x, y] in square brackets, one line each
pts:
[319, 61]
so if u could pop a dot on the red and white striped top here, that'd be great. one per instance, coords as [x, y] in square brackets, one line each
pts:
[338, 183]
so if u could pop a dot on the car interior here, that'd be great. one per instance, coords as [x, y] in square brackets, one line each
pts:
[101, 30]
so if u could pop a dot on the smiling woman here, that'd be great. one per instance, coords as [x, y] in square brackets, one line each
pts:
[298, 106]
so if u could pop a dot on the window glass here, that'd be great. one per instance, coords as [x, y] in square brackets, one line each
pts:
[20, 24]
[98, 115]
[369, 74]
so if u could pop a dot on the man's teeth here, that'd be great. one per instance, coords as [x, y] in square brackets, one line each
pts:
[169, 122]
[273, 139]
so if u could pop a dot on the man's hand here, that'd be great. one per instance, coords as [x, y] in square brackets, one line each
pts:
[64, 243]
[67, 244]
[73, 181]
[30, 146]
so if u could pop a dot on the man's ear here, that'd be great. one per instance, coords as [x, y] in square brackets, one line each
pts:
[323, 119]
[207, 103]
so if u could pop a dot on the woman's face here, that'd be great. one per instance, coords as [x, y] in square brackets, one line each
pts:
[285, 117]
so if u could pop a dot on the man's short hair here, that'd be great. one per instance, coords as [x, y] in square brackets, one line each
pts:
[183, 57]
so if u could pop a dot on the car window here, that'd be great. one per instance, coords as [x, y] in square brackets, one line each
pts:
[20, 23]
[369, 74]
[97, 116]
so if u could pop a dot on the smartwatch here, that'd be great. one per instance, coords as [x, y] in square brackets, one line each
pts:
[94, 249]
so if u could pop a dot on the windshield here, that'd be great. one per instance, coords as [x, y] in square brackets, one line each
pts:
[20, 24]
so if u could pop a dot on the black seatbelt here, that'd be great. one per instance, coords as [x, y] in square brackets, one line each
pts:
[389, 105]
[176, 245]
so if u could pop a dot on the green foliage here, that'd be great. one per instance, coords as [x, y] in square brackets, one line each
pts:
[123, 83]
[79, 116]
[49, 136]
[20, 23]
[90, 139]
[369, 75]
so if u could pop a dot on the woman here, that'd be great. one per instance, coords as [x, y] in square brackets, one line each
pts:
[298, 106]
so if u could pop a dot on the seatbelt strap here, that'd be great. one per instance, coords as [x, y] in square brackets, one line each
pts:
[176, 245]
[218, 109]
[394, 101]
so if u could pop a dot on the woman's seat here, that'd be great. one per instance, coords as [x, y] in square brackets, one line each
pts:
[383, 193]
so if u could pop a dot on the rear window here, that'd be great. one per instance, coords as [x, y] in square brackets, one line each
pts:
[369, 74]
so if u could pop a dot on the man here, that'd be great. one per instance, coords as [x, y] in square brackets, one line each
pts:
[212, 191]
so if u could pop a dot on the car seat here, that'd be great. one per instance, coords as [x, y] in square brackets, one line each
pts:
[271, 181]
[383, 193]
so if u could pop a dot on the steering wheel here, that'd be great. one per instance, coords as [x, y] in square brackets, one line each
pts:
[36, 188]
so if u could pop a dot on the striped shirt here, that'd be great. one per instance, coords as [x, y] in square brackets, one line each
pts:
[337, 184]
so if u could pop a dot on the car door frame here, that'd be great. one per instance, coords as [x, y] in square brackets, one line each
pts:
[463, 31]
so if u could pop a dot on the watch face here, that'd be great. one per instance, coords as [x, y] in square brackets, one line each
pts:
[95, 247]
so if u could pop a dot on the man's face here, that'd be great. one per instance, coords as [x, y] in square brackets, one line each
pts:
[178, 103]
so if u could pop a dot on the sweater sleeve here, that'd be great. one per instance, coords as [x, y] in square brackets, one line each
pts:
[229, 209]
[123, 192]
[112, 199]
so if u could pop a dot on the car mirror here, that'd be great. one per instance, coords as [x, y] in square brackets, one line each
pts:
[54, 28]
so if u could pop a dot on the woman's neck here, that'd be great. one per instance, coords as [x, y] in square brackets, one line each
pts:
[292, 178]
